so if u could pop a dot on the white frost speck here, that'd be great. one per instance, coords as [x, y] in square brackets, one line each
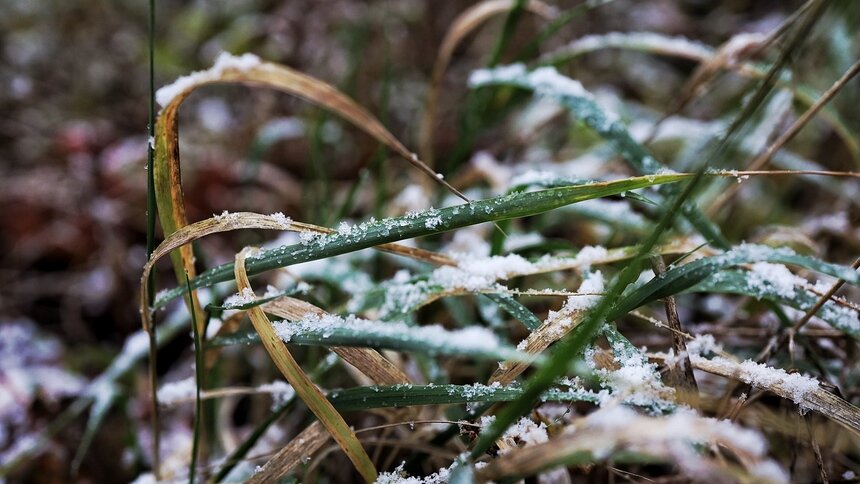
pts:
[178, 391]
[777, 276]
[282, 219]
[247, 296]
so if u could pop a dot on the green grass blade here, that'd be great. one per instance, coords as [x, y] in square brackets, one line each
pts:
[475, 342]
[435, 221]
[840, 317]
[516, 309]
[362, 398]
[681, 278]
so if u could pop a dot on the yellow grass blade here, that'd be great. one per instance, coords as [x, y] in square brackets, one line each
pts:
[304, 387]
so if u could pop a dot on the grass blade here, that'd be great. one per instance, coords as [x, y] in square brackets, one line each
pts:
[425, 223]
[304, 387]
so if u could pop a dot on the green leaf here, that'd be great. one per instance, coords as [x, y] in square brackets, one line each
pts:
[738, 282]
[679, 279]
[435, 221]
[361, 398]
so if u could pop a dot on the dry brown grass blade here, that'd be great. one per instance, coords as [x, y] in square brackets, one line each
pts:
[463, 25]
[680, 375]
[189, 233]
[298, 450]
[250, 70]
[819, 400]
[553, 329]
[666, 439]
[366, 360]
[302, 384]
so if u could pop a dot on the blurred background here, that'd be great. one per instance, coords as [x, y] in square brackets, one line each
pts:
[73, 153]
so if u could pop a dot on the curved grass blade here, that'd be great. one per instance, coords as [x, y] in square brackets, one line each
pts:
[738, 282]
[546, 81]
[681, 278]
[681, 47]
[304, 387]
[434, 221]
[818, 399]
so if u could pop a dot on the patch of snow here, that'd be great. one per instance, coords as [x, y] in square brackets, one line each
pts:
[776, 276]
[223, 63]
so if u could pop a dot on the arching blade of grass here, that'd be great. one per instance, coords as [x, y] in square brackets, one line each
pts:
[546, 81]
[475, 342]
[656, 43]
[679, 279]
[304, 387]
[249, 220]
[843, 318]
[249, 70]
[435, 221]
[465, 23]
[362, 398]
[818, 399]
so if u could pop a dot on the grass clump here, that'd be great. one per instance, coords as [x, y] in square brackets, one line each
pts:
[639, 265]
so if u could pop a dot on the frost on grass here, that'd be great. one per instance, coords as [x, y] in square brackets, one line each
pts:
[633, 381]
[475, 274]
[433, 338]
[246, 296]
[545, 81]
[648, 41]
[282, 219]
[677, 436]
[223, 63]
[790, 385]
[399, 476]
[777, 276]
[525, 433]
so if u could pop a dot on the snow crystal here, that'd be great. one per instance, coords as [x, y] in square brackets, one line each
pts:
[764, 275]
[178, 391]
[223, 63]
[246, 296]
[225, 217]
[399, 476]
[593, 285]
[589, 255]
[795, 384]
[282, 219]
[527, 432]
[433, 222]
